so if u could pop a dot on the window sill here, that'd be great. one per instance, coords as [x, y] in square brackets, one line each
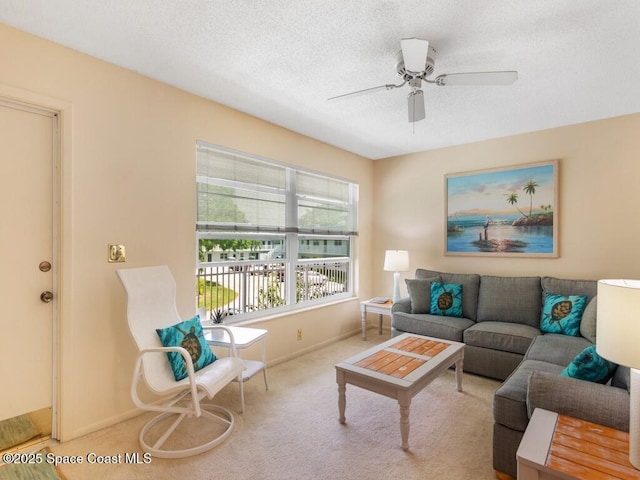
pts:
[289, 311]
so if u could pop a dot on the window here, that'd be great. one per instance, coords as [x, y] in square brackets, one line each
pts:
[270, 236]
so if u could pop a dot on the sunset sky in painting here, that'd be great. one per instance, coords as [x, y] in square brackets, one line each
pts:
[486, 192]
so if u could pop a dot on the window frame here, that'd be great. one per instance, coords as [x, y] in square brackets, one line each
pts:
[292, 236]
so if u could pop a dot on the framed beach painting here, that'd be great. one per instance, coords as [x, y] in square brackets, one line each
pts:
[510, 212]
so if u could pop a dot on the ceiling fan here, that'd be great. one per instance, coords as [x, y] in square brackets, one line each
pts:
[414, 64]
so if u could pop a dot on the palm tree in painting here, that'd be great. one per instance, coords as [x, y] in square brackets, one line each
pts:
[530, 189]
[512, 199]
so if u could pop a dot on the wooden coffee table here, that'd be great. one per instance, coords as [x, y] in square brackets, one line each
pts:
[399, 368]
[557, 446]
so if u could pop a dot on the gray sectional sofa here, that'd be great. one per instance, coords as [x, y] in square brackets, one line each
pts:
[500, 324]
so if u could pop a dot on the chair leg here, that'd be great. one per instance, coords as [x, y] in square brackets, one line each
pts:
[214, 413]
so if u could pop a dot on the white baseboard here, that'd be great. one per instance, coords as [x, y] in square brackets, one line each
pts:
[316, 346]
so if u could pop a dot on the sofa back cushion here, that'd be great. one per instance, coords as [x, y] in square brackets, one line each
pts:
[588, 323]
[470, 287]
[510, 299]
[562, 286]
[622, 378]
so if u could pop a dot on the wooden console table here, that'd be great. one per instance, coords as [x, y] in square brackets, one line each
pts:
[558, 446]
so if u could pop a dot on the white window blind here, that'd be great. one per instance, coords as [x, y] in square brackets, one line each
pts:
[239, 193]
[325, 205]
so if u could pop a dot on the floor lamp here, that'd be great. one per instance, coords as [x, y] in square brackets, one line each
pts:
[396, 261]
[617, 340]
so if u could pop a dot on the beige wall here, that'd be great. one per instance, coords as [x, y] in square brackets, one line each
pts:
[598, 184]
[128, 176]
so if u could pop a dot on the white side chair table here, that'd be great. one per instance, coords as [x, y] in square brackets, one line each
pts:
[244, 337]
[381, 309]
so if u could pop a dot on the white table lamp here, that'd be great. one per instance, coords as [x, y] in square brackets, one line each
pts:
[396, 261]
[618, 340]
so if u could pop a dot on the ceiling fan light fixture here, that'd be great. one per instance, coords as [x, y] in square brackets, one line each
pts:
[414, 52]
[415, 101]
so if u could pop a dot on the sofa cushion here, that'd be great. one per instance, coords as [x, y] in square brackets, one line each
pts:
[588, 323]
[510, 399]
[601, 404]
[470, 287]
[510, 299]
[563, 313]
[447, 328]
[503, 336]
[556, 349]
[446, 299]
[590, 366]
[420, 293]
[622, 378]
[569, 287]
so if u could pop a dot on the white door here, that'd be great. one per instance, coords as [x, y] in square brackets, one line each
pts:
[27, 142]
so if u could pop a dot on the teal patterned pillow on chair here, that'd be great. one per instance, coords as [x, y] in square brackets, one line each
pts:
[590, 366]
[446, 299]
[190, 336]
[563, 313]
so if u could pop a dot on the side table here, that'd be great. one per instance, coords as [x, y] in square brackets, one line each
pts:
[557, 446]
[370, 307]
[244, 337]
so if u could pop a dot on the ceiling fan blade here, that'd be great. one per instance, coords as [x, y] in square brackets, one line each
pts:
[366, 91]
[414, 53]
[477, 78]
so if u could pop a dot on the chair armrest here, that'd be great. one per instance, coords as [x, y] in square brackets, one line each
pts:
[402, 305]
[182, 351]
[593, 402]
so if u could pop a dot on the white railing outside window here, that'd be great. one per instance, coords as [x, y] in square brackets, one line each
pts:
[245, 288]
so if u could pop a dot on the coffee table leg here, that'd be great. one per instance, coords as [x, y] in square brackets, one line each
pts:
[342, 400]
[459, 374]
[405, 406]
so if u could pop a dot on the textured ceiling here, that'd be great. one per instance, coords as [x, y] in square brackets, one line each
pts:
[280, 60]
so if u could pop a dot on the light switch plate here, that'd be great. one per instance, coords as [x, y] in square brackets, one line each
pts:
[117, 253]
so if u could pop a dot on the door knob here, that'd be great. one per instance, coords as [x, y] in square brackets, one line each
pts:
[46, 297]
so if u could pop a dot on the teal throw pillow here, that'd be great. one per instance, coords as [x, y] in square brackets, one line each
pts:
[590, 366]
[190, 336]
[446, 299]
[563, 313]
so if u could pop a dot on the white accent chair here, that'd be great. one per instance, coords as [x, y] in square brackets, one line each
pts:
[151, 304]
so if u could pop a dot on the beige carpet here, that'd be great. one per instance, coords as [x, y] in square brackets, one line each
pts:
[292, 431]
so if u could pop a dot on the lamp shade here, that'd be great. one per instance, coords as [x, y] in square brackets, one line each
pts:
[396, 261]
[618, 327]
